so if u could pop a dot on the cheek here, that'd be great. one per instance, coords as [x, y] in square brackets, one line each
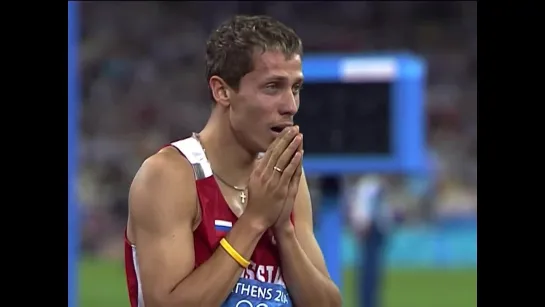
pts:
[245, 113]
[257, 115]
[258, 107]
[253, 109]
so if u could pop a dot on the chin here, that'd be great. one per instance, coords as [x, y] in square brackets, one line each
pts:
[260, 143]
[270, 140]
[263, 148]
[264, 145]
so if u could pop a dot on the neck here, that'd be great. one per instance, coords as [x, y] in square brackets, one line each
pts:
[227, 157]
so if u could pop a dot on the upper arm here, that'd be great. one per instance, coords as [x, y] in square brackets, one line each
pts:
[302, 212]
[162, 207]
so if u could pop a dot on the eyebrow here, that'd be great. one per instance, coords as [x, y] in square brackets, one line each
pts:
[284, 79]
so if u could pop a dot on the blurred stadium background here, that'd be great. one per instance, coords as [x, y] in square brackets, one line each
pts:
[142, 86]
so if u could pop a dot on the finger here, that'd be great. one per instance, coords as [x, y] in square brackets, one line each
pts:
[290, 170]
[281, 146]
[267, 156]
[296, 179]
[293, 187]
[294, 183]
[301, 150]
[287, 155]
[269, 151]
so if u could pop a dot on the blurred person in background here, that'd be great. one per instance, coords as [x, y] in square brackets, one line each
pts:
[210, 218]
[371, 218]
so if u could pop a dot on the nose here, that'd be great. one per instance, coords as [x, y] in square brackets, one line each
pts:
[290, 104]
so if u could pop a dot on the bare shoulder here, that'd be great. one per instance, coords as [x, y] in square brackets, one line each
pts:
[162, 192]
[165, 165]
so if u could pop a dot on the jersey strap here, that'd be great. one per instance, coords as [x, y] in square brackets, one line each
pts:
[194, 153]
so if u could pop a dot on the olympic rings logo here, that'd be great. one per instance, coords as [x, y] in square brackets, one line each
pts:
[246, 303]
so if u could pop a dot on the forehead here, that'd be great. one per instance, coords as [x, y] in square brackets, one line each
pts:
[270, 64]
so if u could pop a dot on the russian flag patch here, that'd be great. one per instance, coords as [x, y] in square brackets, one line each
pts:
[223, 226]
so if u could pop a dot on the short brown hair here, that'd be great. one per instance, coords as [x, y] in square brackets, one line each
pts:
[230, 48]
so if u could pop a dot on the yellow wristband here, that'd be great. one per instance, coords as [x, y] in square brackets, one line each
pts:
[234, 254]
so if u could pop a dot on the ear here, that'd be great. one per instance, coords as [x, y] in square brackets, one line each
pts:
[220, 90]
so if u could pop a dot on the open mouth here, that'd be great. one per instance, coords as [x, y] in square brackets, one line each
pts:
[279, 128]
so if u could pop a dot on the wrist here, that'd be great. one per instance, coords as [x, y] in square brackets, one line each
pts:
[285, 229]
[253, 223]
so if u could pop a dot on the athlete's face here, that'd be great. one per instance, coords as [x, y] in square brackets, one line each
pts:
[268, 98]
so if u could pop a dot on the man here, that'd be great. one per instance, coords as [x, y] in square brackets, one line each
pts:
[209, 223]
[372, 218]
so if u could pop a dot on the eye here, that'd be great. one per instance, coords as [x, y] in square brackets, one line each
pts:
[297, 88]
[272, 86]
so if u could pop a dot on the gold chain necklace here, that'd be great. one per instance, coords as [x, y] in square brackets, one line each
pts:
[242, 191]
